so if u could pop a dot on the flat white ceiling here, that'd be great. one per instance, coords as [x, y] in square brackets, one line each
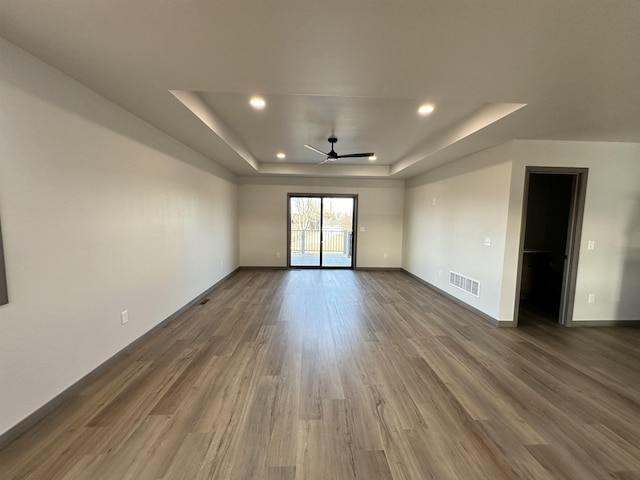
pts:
[357, 69]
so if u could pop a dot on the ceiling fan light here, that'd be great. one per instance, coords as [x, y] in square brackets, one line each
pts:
[257, 102]
[373, 158]
[426, 109]
[281, 155]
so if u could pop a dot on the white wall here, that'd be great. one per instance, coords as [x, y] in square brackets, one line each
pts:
[100, 213]
[612, 219]
[482, 196]
[263, 218]
[449, 212]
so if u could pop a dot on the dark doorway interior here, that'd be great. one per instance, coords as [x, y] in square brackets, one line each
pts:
[544, 257]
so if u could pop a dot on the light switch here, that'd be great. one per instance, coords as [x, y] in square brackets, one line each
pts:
[362, 229]
[487, 241]
[591, 245]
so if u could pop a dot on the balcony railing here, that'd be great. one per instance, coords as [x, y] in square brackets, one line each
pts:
[308, 241]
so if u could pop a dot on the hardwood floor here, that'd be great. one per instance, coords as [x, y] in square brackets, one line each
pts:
[338, 374]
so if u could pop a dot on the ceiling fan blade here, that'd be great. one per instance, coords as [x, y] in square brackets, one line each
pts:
[329, 159]
[316, 150]
[356, 155]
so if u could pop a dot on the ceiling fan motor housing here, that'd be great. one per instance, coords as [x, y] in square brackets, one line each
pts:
[332, 155]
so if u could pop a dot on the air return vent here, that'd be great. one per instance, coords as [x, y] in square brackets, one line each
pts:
[467, 284]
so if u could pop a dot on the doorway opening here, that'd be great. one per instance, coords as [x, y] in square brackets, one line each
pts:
[551, 225]
[321, 231]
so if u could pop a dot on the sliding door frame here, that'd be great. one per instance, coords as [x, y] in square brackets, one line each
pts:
[4, 290]
[322, 196]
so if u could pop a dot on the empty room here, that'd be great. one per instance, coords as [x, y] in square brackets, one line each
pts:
[350, 239]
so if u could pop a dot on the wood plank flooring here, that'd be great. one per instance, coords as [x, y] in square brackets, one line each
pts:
[342, 375]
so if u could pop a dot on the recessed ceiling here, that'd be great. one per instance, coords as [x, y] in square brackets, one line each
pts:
[495, 70]
[387, 126]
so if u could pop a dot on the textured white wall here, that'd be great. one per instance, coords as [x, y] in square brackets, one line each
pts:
[611, 219]
[263, 218]
[482, 195]
[471, 203]
[100, 213]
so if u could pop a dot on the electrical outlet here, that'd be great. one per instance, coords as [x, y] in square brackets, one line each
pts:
[386, 255]
[592, 298]
[124, 317]
[277, 254]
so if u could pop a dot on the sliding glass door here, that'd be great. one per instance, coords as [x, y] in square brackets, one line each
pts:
[337, 232]
[304, 231]
[321, 230]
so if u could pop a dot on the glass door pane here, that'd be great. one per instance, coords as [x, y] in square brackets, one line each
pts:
[337, 231]
[304, 233]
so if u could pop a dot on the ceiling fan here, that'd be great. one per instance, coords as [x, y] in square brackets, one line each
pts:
[332, 156]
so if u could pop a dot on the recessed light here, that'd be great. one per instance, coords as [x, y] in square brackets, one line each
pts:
[373, 158]
[257, 102]
[426, 109]
[281, 155]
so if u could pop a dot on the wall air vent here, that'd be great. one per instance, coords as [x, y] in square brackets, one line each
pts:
[467, 284]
